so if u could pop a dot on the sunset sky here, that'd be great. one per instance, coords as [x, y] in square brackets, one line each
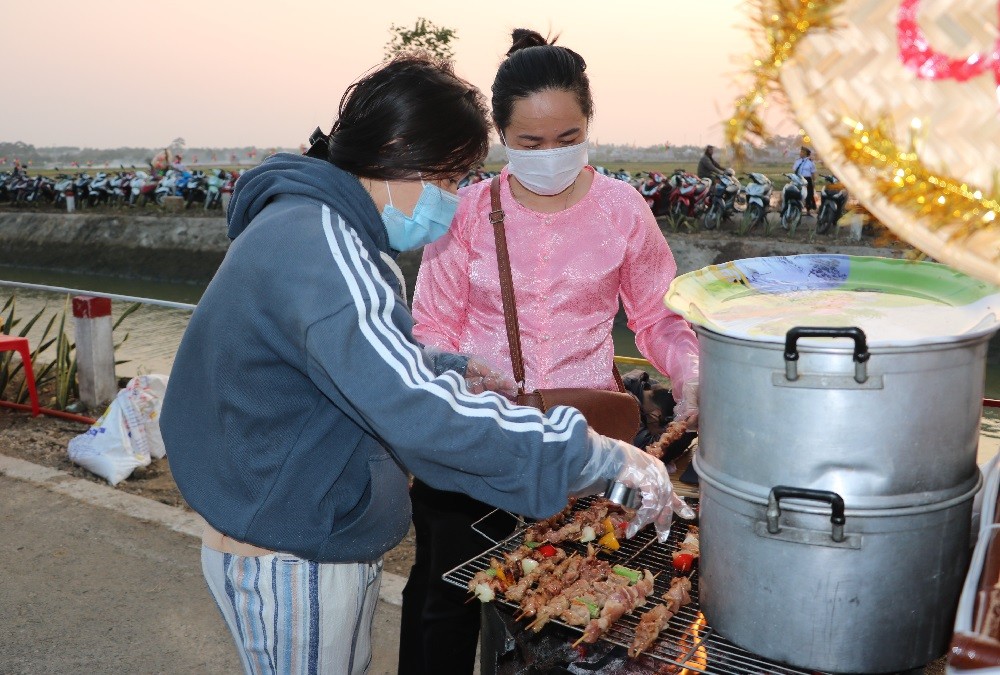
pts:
[250, 72]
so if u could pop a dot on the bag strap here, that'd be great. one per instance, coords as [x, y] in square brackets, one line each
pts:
[506, 285]
[507, 292]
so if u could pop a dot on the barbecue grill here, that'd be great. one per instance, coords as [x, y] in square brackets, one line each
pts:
[688, 643]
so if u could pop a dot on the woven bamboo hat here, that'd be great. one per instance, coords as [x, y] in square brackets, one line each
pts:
[901, 99]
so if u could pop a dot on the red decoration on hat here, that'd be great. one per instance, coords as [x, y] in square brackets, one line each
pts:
[918, 55]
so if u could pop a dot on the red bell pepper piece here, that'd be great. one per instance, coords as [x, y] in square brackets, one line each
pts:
[547, 550]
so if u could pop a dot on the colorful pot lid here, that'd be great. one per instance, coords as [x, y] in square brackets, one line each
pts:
[895, 302]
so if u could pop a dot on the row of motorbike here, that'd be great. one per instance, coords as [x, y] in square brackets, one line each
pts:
[122, 188]
[679, 196]
[683, 195]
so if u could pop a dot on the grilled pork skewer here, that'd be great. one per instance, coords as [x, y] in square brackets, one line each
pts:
[595, 580]
[679, 593]
[651, 623]
[688, 551]
[620, 602]
[501, 575]
[585, 525]
[672, 433]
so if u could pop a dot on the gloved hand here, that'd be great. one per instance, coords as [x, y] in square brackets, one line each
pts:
[685, 390]
[613, 460]
[480, 377]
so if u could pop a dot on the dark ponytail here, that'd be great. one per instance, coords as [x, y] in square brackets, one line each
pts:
[534, 64]
[412, 115]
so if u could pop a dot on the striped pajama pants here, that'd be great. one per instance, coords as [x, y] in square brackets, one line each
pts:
[289, 615]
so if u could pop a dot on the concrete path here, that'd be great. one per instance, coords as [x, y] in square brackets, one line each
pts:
[94, 580]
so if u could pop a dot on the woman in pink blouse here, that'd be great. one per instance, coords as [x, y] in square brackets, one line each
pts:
[578, 241]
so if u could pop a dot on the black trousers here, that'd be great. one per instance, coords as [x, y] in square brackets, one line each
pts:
[810, 194]
[439, 628]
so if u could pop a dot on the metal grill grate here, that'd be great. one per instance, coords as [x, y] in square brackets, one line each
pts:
[687, 642]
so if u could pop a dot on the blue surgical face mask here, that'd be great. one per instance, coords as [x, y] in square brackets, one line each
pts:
[431, 218]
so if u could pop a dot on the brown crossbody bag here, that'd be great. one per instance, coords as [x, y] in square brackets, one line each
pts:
[610, 413]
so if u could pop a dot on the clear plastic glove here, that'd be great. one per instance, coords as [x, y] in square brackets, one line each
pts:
[613, 460]
[685, 384]
[686, 409]
[480, 377]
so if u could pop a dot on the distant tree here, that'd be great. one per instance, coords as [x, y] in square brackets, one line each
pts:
[425, 36]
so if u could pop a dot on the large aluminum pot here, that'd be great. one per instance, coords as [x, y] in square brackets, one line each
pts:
[801, 578]
[884, 428]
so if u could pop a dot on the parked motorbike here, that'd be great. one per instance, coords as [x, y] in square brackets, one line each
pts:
[758, 192]
[119, 188]
[170, 185]
[195, 190]
[832, 201]
[43, 191]
[99, 190]
[792, 197]
[656, 190]
[725, 196]
[62, 183]
[19, 186]
[81, 189]
[137, 182]
[689, 196]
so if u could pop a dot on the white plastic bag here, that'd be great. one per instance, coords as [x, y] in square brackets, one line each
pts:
[146, 394]
[128, 433]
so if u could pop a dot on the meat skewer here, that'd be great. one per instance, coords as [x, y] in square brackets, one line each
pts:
[518, 563]
[688, 551]
[672, 433]
[583, 591]
[651, 623]
[556, 530]
[620, 602]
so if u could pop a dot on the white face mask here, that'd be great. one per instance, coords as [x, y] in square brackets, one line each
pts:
[546, 172]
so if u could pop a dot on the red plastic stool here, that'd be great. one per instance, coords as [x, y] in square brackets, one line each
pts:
[9, 343]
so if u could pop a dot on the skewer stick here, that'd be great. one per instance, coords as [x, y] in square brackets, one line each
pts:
[469, 600]
[579, 641]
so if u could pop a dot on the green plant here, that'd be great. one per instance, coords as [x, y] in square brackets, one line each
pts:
[425, 36]
[60, 370]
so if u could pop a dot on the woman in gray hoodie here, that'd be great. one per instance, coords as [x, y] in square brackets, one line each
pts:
[299, 400]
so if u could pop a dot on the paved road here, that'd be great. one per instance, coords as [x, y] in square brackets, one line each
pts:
[87, 589]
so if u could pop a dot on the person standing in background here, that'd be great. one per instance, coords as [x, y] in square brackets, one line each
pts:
[578, 241]
[805, 167]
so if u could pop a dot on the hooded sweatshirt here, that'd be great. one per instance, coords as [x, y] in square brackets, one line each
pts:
[299, 400]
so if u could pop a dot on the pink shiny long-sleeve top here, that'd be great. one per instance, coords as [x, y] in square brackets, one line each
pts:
[569, 269]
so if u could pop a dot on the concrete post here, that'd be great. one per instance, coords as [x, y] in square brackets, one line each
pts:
[857, 223]
[95, 350]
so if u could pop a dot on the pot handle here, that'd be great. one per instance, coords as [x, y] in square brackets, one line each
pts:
[780, 492]
[861, 354]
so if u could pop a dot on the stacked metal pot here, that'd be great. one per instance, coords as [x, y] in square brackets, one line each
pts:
[837, 482]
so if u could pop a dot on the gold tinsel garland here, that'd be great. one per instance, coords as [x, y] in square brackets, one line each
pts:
[783, 24]
[899, 174]
[904, 181]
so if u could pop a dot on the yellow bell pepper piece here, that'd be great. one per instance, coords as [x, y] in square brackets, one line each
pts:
[609, 541]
